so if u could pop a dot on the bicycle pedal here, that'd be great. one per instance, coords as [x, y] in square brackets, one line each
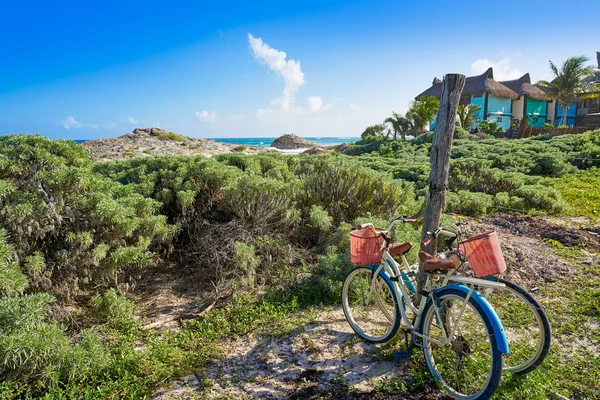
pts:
[400, 356]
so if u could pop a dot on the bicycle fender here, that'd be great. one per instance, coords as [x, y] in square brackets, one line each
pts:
[488, 310]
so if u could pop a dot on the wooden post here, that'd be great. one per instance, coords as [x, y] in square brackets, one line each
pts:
[440, 160]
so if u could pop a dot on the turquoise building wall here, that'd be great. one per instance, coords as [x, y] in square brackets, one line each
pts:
[478, 101]
[536, 112]
[498, 105]
[571, 114]
[499, 111]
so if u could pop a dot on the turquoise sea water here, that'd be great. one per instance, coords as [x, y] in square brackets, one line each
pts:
[266, 142]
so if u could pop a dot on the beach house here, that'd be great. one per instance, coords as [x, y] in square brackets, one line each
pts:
[532, 104]
[494, 99]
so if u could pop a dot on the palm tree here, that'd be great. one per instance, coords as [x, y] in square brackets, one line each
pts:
[571, 81]
[400, 125]
[466, 115]
[422, 111]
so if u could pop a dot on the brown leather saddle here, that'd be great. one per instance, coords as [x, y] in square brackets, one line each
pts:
[398, 249]
[431, 263]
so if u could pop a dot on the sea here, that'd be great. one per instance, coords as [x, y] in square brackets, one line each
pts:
[266, 141]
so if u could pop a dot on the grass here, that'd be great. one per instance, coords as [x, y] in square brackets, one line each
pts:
[169, 136]
[134, 373]
[572, 367]
[581, 190]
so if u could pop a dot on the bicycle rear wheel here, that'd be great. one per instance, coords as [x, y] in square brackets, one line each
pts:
[370, 305]
[470, 365]
[526, 326]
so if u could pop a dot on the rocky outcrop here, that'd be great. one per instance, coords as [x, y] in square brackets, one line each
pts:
[315, 150]
[153, 141]
[342, 148]
[291, 142]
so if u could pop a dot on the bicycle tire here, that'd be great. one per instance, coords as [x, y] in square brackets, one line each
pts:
[516, 328]
[457, 355]
[378, 326]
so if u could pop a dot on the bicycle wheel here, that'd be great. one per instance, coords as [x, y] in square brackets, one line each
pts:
[370, 305]
[526, 326]
[470, 366]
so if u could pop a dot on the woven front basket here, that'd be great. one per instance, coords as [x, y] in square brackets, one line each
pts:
[484, 254]
[365, 247]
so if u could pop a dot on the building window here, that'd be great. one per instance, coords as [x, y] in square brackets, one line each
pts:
[499, 119]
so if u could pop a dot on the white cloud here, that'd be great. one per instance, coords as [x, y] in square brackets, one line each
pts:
[70, 122]
[276, 60]
[206, 116]
[132, 120]
[353, 107]
[315, 103]
[503, 69]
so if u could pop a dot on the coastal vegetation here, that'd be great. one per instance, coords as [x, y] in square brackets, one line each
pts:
[76, 236]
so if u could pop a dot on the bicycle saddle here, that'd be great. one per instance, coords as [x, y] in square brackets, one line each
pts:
[397, 249]
[431, 263]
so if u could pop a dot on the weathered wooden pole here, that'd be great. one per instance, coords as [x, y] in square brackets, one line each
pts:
[440, 159]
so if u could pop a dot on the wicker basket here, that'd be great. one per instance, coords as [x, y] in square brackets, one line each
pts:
[365, 247]
[484, 254]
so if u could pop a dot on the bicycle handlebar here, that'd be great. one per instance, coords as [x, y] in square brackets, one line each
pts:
[441, 231]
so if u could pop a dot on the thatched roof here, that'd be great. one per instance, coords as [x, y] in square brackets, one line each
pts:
[475, 85]
[523, 86]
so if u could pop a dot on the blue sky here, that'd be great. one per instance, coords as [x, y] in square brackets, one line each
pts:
[80, 70]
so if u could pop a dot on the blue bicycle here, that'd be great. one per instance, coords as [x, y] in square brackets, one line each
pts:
[461, 336]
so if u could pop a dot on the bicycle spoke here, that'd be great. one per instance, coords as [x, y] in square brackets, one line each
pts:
[464, 365]
[369, 305]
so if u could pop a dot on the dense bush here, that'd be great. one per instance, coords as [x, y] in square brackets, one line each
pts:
[347, 190]
[71, 227]
[510, 172]
[33, 347]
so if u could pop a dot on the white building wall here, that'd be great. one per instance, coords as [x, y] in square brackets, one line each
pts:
[517, 107]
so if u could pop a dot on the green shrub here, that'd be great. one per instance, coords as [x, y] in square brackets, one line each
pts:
[247, 262]
[469, 203]
[347, 190]
[168, 135]
[425, 138]
[33, 347]
[240, 148]
[116, 310]
[12, 280]
[319, 224]
[75, 228]
[262, 202]
[542, 198]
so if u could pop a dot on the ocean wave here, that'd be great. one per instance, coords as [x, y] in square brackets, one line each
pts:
[286, 151]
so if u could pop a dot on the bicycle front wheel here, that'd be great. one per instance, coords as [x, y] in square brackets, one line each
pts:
[468, 364]
[526, 326]
[370, 305]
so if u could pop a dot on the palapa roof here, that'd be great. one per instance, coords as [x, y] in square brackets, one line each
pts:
[523, 86]
[475, 85]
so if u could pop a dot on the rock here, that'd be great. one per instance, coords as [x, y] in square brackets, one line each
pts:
[316, 150]
[152, 141]
[342, 148]
[291, 142]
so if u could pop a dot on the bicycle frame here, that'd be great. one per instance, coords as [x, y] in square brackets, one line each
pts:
[397, 273]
